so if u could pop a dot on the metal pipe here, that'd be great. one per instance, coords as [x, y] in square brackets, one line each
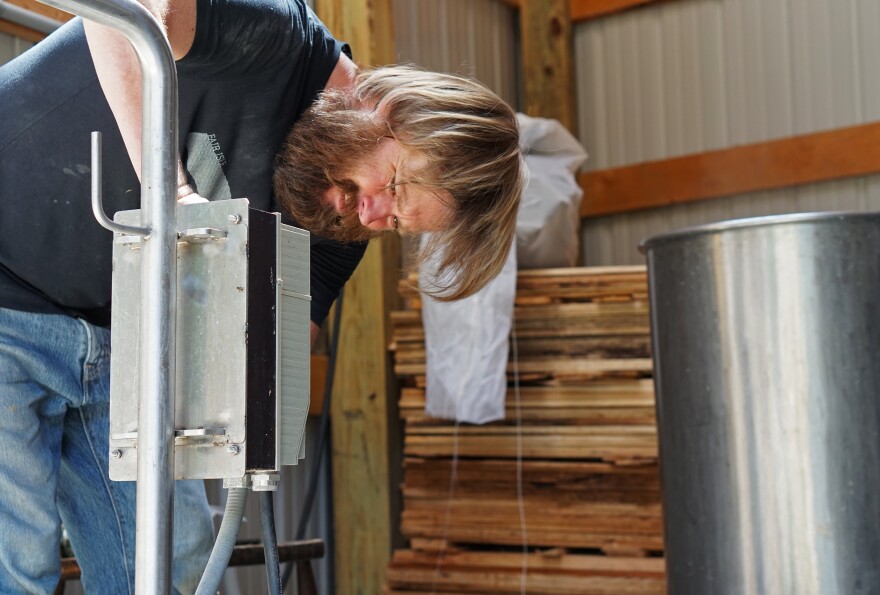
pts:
[155, 481]
[27, 18]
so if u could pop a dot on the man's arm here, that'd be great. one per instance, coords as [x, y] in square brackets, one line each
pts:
[119, 71]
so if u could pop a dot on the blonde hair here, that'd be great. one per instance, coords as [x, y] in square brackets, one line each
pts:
[471, 140]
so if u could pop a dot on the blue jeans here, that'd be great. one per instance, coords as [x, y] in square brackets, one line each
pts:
[54, 424]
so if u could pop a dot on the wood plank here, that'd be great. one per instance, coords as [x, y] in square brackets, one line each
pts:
[548, 71]
[548, 483]
[806, 159]
[633, 435]
[587, 272]
[625, 394]
[585, 10]
[612, 416]
[582, 282]
[501, 572]
[561, 368]
[537, 562]
[489, 581]
[497, 523]
[366, 451]
[318, 382]
[42, 9]
[608, 448]
[16, 30]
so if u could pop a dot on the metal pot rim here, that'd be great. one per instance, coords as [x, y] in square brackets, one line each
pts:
[752, 222]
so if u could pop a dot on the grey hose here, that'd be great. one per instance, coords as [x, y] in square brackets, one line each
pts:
[225, 542]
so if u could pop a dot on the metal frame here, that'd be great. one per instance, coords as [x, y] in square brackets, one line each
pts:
[155, 485]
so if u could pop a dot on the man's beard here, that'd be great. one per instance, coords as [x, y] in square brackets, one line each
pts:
[329, 139]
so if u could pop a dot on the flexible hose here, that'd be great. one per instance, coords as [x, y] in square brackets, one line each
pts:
[270, 543]
[225, 542]
[312, 485]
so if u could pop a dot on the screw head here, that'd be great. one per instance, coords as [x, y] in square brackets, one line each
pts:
[116, 453]
[234, 219]
[233, 449]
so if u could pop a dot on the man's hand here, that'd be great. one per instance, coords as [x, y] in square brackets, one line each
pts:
[190, 199]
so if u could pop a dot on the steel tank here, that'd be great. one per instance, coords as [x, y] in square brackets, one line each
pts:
[766, 337]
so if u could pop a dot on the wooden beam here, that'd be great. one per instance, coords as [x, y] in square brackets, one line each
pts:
[366, 446]
[548, 70]
[366, 25]
[42, 9]
[367, 467]
[584, 10]
[806, 159]
[25, 33]
[21, 32]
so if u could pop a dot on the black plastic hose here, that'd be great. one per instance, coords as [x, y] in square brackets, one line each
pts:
[270, 543]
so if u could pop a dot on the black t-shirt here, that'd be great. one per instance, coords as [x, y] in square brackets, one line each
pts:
[254, 67]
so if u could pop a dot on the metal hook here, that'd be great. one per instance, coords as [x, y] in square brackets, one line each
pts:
[98, 195]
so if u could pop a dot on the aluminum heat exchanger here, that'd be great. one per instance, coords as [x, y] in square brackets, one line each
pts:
[242, 373]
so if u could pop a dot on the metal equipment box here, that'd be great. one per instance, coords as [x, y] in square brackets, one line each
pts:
[243, 344]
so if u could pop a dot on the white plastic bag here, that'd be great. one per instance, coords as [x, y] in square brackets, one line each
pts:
[466, 344]
[548, 224]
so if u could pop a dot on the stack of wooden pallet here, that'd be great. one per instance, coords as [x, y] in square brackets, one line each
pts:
[585, 498]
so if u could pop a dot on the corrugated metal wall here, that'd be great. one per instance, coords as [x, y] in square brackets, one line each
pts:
[478, 38]
[10, 47]
[473, 37]
[687, 76]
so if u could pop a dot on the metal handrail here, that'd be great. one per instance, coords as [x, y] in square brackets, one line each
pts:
[155, 478]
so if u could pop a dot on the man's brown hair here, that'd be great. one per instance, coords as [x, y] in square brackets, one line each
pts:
[470, 138]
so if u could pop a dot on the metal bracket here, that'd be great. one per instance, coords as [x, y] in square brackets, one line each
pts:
[195, 235]
[199, 235]
[179, 434]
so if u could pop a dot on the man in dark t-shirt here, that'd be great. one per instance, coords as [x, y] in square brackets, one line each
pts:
[272, 109]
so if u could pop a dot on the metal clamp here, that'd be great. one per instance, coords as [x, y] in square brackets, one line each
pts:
[198, 235]
[265, 482]
[185, 433]
[200, 433]
[195, 235]
[98, 195]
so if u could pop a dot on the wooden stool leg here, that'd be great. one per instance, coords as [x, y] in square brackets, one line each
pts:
[305, 579]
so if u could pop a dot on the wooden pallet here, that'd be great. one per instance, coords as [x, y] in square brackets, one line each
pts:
[584, 423]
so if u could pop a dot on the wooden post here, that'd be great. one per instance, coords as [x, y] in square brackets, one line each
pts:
[547, 60]
[365, 425]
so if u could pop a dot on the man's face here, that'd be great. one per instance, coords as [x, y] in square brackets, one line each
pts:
[343, 177]
[379, 190]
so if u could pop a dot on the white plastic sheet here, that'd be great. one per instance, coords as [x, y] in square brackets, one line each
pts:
[466, 344]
